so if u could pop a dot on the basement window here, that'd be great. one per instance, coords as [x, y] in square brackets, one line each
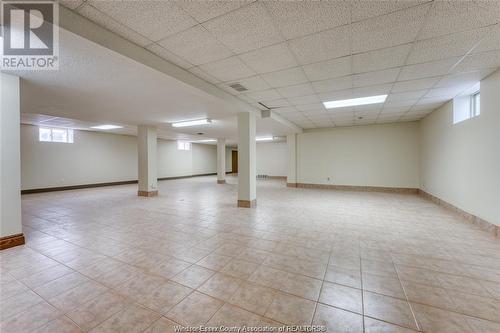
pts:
[475, 105]
[183, 145]
[48, 134]
[467, 106]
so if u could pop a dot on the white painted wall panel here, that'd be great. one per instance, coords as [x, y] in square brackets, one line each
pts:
[272, 158]
[461, 162]
[376, 155]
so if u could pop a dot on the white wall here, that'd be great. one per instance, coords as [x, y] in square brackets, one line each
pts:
[97, 157]
[92, 158]
[204, 159]
[377, 155]
[272, 158]
[461, 162]
[173, 162]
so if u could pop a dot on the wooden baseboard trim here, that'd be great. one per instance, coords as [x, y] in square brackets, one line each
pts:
[11, 241]
[147, 193]
[484, 225]
[77, 187]
[403, 190]
[126, 182]
[247, 203]
[291, 184]
[188, 176]
[221, 181]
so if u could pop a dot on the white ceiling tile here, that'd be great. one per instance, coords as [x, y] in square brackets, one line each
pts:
[341, 114]
[169, 56]
[322, 46]
[202, 11]
[228, 69]
[112, 25]
[490, 42]
[153, 19]
[368, 109]
[303, 100]
[328, 69]
[285, 77]
[295, 115]
[264, 95]
[420, 84]
[388, 30]
[380, 59]
[340, 83]
[308, 107]
[204, 75]
[277, 103]
[402, 103]
[362, 9]
[429, 69]
[410, 95]
[467, 78]
[269, 59]
[253, 83]
[393, 111]
[196, 45]
[373, 78]
[432, 100]
[448, 92]
[247, 28]
[300, 18]
[286, 109]
[335, 95]
[428, 106]
[445, 46]
[380, 89]
[297, 90]
[479, 61]
[447, 17]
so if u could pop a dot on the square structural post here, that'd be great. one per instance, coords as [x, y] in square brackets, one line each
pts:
[247, 196]
[221, 161]
[11, 231]
[291, 178]
[148, 175]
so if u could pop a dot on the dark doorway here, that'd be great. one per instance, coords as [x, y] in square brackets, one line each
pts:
[234, 159]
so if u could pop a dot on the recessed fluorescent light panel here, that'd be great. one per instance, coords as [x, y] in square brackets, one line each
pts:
[206, 140]
[192, 123]
[106, 127]
[355, 101]
[264, 138]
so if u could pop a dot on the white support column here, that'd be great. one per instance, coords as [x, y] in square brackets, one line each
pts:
[11, 232]
[247, 196]
[291, 142]
[221, 161]
[148, 175]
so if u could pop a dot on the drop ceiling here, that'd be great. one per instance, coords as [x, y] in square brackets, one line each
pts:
[95, 85]
[292, 56]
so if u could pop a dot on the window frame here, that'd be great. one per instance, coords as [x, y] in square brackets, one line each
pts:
[183, 145]
[68, 136]
[475, 104]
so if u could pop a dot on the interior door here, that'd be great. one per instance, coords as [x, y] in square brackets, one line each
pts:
[234, 159]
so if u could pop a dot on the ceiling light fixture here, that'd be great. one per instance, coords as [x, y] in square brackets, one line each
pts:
[106, 127]
[264, 138]
[206, 140]
[355, 101]
[192, 123]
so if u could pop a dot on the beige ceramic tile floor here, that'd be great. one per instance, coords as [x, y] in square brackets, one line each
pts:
[105, 260]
